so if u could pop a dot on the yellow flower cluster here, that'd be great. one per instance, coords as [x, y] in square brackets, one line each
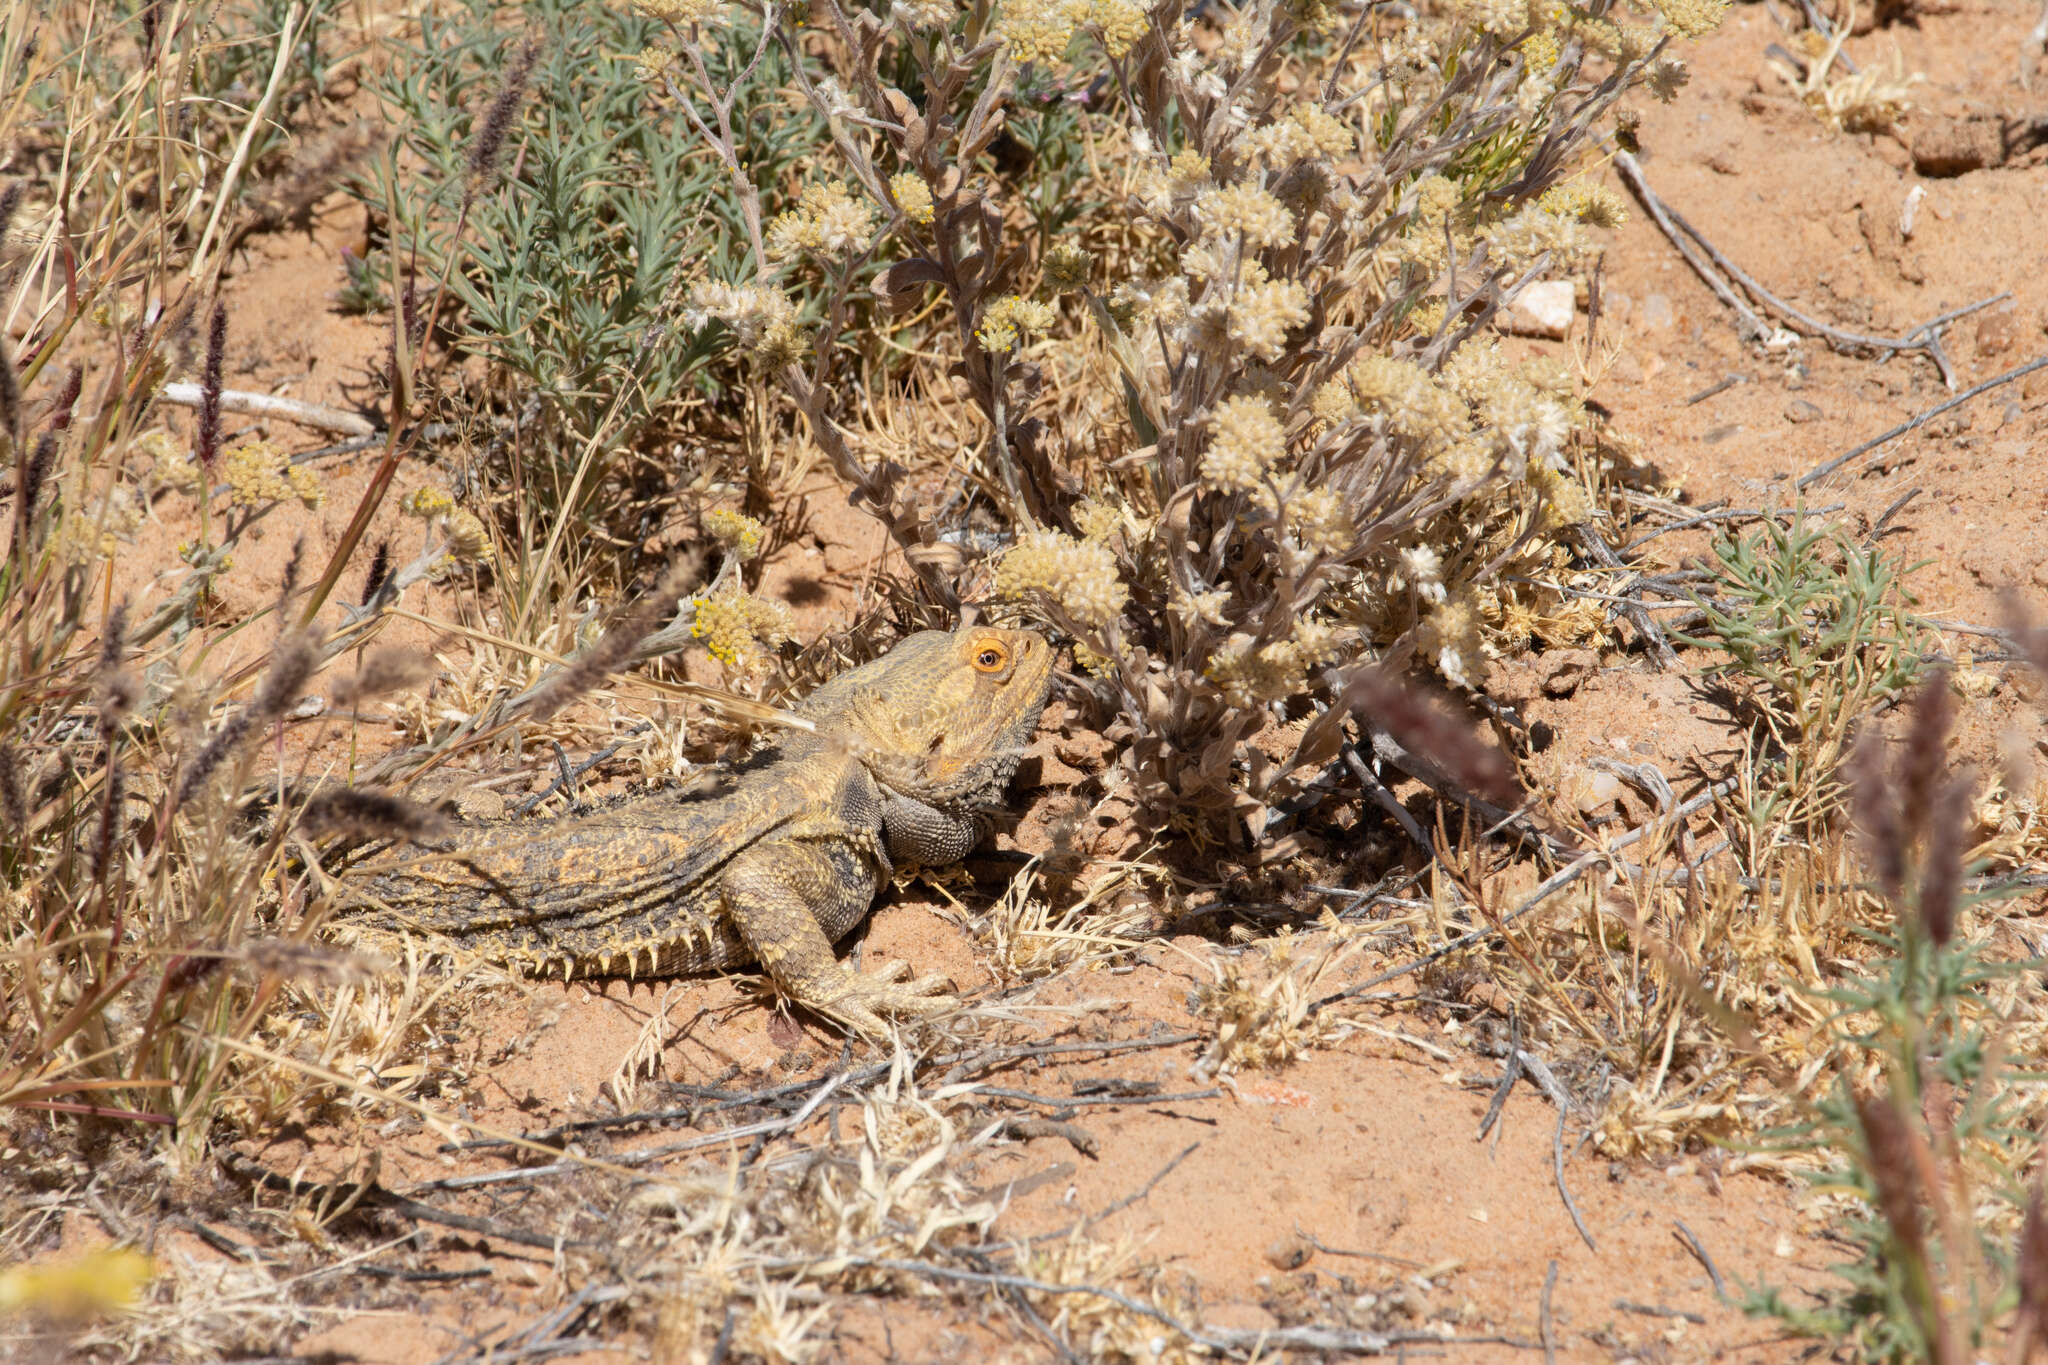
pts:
[258, 472]
[1079, 576]
[741, 630]
[1010, 319]
[1506, 18]
[1451, 637]
[656, 64]
[1098, 520]
[1410, 403]
[1246, 440]
[913, 196]
[681, 13]
[427, 503]
[468, 540]
[1120, 22]
[1308, 132]
[1693, 18]
[736, 531]
[828, 221]
[1252, 674]
[1594, 205]
[1039, 30]
[1321, 522]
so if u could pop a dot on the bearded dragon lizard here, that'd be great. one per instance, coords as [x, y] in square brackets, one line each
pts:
[908, 754]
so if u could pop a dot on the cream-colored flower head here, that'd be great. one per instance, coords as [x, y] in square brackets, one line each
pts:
[828, 220]
[1246, 441]
[1011, 320]
[1080, 576]
[1245, 210]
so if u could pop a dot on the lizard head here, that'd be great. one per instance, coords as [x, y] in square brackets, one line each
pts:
[949, 715]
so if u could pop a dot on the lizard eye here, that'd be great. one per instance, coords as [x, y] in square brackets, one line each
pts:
[991, 657]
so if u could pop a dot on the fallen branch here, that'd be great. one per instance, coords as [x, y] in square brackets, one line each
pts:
[315, 415]
[1821, 471]
[1557, 1163]
[1926, 337]
[1555, 883]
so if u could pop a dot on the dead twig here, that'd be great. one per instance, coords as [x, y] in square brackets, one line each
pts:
[1557, 1162]
[1328, 1250]
[1647, 629]
[1511, 1073]
[1716, 269]
[315, 415]
[1658, 1310]
[1549, 1337]
[1699, 1251]
[1073, 1134]
[1821, 471]
[1555, 883]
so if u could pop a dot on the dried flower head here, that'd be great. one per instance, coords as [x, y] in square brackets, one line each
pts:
[1039, 30]
[1079, 577]
[1693, 18]
[682, 13]
[1667, 77]
[1248, 211]
[1451, 638]
[258, 472]
[1246, 440]
[1594, 205]
[925, 14]
[912, 196]
[657, 65]
[1321, 521]
[741, 630]
[1066, 267]
[1120, 23]
[828, 220]
[761, 319]
[739, 533]
[1010, 320]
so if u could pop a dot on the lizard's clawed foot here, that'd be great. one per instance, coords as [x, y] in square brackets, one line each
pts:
[865, 999]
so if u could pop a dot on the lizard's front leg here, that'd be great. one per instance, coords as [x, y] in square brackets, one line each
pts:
[782, 896]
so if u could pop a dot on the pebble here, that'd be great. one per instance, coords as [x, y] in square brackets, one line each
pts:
[1657, 314]
[1289, 1253]
[1543, 309]
[1799, 410]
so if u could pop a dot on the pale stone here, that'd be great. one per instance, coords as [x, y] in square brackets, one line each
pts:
[1543, 309]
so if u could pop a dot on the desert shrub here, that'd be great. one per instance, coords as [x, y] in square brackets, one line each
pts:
[568, 265]
[1255, 435]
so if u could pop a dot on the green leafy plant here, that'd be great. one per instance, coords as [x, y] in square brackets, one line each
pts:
[1823, 626]
[571, 269]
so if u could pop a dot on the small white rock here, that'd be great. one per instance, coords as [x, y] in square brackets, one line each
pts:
[1543, 309]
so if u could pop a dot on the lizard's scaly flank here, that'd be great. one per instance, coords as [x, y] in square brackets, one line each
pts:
[909, 751]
